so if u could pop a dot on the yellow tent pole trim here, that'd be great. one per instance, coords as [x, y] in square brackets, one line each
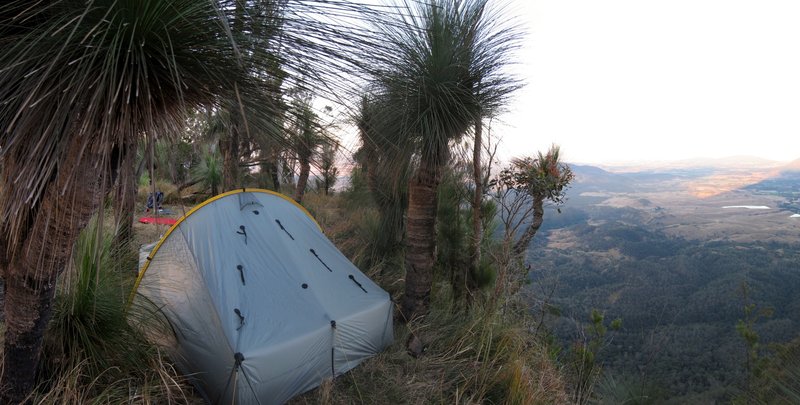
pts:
[295, 203]
[201, 205]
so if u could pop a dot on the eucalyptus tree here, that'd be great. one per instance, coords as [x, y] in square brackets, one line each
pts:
[448, 72]
[80, 81]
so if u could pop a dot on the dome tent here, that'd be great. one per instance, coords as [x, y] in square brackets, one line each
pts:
[263, 306]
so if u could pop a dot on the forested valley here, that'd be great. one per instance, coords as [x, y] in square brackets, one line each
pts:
[680, 295]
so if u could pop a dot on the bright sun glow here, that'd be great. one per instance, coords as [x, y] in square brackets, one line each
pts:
[633, 80]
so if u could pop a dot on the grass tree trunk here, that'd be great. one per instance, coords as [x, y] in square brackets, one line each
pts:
[125, 195]
[421, 238]
[275, 166]
[269, 169]
[229, 146]
[302, 179]
[538, 217]
[477, 213]
[38, 259]
[372, 171]
[276, 179]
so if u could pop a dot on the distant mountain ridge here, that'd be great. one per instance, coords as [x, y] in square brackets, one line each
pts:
[703, 177]
[793, 166]
[592, 178]
[730, 162]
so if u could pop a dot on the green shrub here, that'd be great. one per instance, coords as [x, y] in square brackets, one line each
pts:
[95, 347]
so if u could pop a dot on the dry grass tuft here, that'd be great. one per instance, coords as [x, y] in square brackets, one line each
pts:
[472, 356]
[483, 353]
[95, 351]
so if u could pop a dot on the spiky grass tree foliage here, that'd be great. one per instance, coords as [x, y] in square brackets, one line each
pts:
[448, 70]
[208, 170]
[385, 158]
[452, 232]
[95, 345]
[327, 166]
[536, 181]
[306, 138]
[81, 79]
[455, 235]
[782, 376]
[125, 194]
[89, 312]
[78, 80]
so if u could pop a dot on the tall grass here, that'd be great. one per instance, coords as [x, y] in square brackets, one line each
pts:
[95, 351]
[778, 382]
[473, 356]
[486, 352]
[353, 222]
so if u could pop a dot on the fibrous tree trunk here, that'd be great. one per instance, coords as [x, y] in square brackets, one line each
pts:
[28, 308]
[125, 195]
[372, 170]
[229, 146]
[538, 217]
[39, 257]
[287, 171]
[477, 200]
[269, 168]
[276, 179]
[275, 165]
[302, 179]
[421, 237]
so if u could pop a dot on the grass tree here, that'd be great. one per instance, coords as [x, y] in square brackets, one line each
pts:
[448, 71]
[208, 171]
[125, 193]
[524, 188]
[80, 80]
[306, 139]
[327, 166]
[385, 159]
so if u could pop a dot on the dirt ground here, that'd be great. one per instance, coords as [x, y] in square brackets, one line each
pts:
[149, 233]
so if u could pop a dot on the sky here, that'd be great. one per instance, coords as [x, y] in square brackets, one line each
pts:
[644, 80]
